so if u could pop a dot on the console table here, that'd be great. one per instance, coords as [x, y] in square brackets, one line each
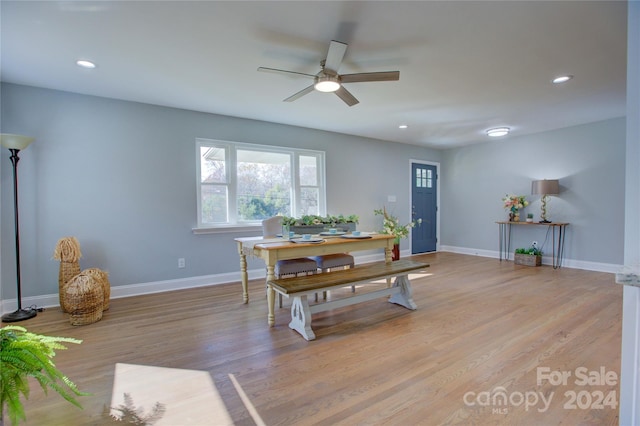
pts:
[558, 230]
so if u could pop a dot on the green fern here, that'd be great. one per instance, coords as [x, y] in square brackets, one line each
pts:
[23, 355]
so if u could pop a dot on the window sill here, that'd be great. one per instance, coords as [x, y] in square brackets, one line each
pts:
[227, 229]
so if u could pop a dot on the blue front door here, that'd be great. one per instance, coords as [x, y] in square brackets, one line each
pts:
[424, 199]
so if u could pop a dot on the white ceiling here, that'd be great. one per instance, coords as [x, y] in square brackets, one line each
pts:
[464, 66]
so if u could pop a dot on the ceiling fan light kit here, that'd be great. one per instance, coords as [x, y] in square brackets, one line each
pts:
[328, 80]
[327, 83]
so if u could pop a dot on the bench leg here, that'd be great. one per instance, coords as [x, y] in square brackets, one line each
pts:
[301, 317]
[405, 296]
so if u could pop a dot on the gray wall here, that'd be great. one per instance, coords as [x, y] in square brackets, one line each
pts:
[589, 162]
[120, 176]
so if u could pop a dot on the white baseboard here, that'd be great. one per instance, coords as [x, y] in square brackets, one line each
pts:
[546, 260]
[52, 300]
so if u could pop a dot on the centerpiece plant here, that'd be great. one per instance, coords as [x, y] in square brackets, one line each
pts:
[24, 355]
[319, 220]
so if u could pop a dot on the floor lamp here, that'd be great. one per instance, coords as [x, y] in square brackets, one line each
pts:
[545, 188]
[15, 143]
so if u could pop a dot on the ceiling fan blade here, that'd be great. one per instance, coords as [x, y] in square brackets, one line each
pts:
[299, 94]
[371, 76]
[346, 96]
[334, 56]
[292, 73]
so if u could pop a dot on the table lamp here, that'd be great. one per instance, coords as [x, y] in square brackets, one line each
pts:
[545, 187]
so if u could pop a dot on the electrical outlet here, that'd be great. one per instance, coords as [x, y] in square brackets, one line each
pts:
[181, 263]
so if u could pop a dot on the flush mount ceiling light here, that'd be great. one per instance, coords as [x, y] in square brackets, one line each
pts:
[85, 64]
[561, 79]
[327, 83]
[403, 126]
[498, 131]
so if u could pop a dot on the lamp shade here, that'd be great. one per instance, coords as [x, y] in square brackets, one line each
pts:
[11, 141]
[545, 187]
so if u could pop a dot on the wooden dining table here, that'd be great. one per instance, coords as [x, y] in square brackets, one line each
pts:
[273, 249]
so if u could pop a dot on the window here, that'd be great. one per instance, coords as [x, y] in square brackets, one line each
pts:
[242, 184]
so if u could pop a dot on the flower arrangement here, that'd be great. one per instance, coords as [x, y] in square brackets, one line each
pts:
[391, 225]
[514, 202]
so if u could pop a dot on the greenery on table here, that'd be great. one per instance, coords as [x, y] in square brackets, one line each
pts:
[23, 355]
[319, 220]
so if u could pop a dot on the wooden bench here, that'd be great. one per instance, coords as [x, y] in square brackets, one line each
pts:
[298, 288]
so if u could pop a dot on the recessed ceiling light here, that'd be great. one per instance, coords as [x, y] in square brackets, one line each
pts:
[403, 126]
[85, 64]
[562, 79]
[498, 131]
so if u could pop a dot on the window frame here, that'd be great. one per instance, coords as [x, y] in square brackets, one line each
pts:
[231, 148]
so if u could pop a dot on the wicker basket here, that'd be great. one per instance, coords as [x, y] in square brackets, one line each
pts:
[527, 259]
[68, 252]
[67, 271]
[84, 299]
[102, 277]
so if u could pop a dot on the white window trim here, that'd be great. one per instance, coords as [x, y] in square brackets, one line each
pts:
[230, 158]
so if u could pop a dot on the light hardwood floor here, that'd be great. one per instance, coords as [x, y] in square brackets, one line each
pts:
[482, 328]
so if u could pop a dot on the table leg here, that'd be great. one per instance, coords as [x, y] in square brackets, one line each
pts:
[557, 254]
[508, 252]
[244, 278]
[501, 240]
[271, 296]
[388, 258]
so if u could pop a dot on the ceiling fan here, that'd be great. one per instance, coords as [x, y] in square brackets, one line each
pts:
[328, 79]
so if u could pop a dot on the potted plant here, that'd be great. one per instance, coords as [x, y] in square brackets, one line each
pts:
[530, 217]
[531, 256]
[23, 355]
[391, 226]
